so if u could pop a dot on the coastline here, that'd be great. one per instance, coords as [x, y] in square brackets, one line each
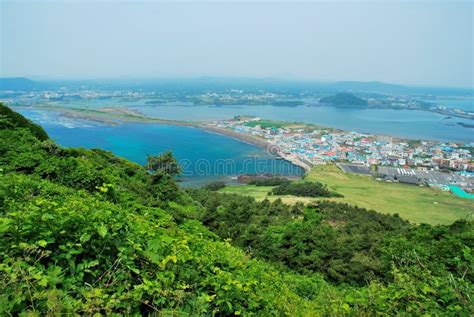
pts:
[112, 116]
[247, 138]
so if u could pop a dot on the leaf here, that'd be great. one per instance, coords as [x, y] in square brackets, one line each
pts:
[85, 237]
[5, 224]
[92, 264]
[43, 282]
[102, 230]
[42, 243]
[346, 307]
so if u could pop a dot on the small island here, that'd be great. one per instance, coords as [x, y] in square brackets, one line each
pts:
[343, 100]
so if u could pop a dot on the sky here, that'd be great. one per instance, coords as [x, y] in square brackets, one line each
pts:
[420, 43]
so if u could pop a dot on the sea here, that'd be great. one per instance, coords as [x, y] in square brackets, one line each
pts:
[205, 156]
[411, 124]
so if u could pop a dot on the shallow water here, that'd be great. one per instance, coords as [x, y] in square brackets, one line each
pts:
[203, 156]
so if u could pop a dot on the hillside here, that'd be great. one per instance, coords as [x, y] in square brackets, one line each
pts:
[343, 100]
[16, 83]
[85, 232]
[12, 119]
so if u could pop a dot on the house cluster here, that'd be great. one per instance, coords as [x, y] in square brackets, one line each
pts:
[320, 145]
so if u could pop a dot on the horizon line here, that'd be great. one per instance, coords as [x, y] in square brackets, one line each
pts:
[226, 77]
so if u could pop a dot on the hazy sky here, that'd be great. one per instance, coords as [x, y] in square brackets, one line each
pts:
[424, 43]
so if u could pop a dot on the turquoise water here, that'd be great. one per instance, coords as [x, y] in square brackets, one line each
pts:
[459, 192]
[206, 156]
[203, 156]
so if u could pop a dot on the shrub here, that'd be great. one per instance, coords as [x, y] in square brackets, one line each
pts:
[305, 189]
[273, 181]
[214, 186]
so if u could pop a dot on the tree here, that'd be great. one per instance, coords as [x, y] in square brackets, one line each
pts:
[163, 164]
[216, 185]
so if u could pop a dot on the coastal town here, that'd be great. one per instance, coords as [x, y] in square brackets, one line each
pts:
[445, 165]
[448, 166]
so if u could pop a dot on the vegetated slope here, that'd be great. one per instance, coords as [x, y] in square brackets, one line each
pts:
[344, 99]
[85, 232]
[14, 119]
[343, 243]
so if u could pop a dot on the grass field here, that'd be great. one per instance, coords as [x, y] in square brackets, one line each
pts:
[417, 204]
[262, 192]
[266, 124]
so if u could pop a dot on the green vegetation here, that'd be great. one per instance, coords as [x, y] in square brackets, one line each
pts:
[266, 124]
[216, 185]
[343, 243]
[12, 119]
[271, 181]
[304, 189]
[412, 143]
[414, 203]
[85, 232]
[344, 99]
[254, 191]
[163, 164]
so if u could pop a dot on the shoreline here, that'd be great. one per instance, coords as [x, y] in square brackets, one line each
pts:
[236, 135]
[107, 116]
[110, 115]
[113, 116]
[247, 138]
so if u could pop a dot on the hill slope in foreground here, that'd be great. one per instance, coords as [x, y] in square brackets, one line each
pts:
[86, 232]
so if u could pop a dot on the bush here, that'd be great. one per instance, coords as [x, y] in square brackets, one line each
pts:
[214, 186]
[306, 189]
[273, 181]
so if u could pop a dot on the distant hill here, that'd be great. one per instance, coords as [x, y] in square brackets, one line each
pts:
[381, 87]
[16, 83]
[372, 86]
[344, 99]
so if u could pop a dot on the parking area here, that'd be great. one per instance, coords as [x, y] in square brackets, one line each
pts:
[354, 169]
[410, 175]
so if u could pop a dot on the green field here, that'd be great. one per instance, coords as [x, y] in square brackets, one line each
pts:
[266, 124]
[417, 204]
[262, 192]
